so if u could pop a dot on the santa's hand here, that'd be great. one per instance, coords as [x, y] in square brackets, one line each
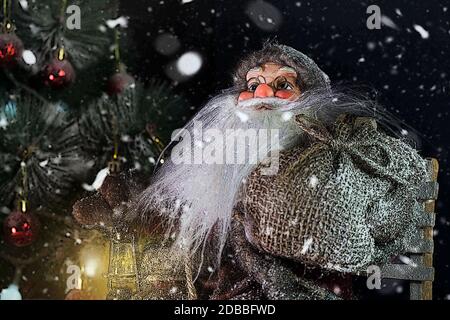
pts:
[112, 207]
[93, 211]
[107, 207]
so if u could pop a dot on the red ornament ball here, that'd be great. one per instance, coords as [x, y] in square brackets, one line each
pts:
[21, 229]
[119, 82]
[58, 73]
[11, 49]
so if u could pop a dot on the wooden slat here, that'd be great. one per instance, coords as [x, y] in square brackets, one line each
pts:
[407, 272]
[434, 165]
[427, 286]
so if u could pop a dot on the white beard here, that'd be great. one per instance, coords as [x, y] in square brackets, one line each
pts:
[199, 198]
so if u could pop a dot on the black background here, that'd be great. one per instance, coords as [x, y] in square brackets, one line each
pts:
[409, 75]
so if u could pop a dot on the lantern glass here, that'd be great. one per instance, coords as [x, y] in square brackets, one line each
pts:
[122, 265]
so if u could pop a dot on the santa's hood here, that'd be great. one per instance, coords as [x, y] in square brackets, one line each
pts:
[310, 76]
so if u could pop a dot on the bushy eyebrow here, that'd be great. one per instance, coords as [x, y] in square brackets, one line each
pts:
[288, 69]
[255, 69]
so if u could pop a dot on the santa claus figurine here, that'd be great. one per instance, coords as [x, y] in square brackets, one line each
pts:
[283, 187]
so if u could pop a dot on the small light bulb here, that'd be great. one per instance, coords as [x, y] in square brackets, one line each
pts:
[91, 267]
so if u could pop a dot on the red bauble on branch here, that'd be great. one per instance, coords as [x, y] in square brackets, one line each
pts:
[21, 229]
[58, 73]
[119, 82]
[11, 49]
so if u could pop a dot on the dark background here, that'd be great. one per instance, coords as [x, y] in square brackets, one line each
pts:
[406, 73]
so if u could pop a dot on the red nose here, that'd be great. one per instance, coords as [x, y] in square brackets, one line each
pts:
[264, 91]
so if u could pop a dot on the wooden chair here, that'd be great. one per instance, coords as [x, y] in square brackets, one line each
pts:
[420, 271]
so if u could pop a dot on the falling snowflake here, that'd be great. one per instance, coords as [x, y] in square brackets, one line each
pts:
[3, 123]
[120, 21]
[43, 163]
[371, 46]
[385, 20]
[423, 33]
[24, 4]
[29, 57]
[306, 245]
[407, 260]
[189, 63]
[313, 181]
[11, 293]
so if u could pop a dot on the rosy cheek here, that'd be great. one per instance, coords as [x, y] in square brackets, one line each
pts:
[245, 95]
[284, 94]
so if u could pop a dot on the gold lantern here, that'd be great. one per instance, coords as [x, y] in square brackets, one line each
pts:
[122, 270]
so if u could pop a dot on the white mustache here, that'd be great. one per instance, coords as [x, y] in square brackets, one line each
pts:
[267, 104]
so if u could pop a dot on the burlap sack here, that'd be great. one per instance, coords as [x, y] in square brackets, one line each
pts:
[342, 203]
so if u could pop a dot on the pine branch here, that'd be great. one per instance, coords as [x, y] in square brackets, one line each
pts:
[43, 26]
[22, 86]
[42, 137]
[127, 119]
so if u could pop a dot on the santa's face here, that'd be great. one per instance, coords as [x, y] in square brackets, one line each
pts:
[271, 80]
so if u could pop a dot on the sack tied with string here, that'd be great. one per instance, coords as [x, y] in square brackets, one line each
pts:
[342, 203]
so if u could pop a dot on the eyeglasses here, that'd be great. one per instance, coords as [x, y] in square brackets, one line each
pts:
[279, 83]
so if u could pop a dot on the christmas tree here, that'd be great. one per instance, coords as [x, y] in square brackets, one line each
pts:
[70, 116]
